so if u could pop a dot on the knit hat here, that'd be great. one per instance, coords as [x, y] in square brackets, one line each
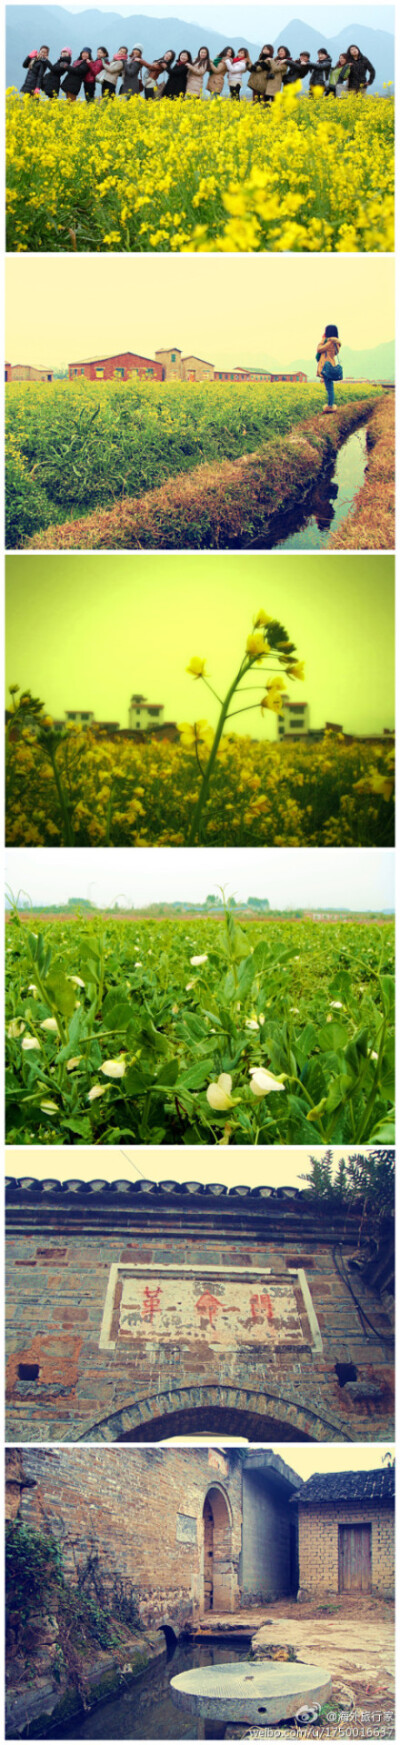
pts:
[138, 45]
[66, 51]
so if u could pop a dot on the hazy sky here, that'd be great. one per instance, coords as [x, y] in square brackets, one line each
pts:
[250, 18]
[61, 309]
[312, 877]
[233, 1168]
[142, 618]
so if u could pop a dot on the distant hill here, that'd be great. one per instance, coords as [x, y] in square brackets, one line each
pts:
[27, 27]
[378, 364]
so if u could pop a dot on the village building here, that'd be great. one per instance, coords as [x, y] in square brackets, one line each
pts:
[346, 1533]
[212, 1529]
[140, 1311]
[121, 366]
[26, 373]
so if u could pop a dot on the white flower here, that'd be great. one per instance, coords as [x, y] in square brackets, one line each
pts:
[251, 1024]
[77, 980]
[29, 1042]
[50, 1024]
[113, 1069]
[262, 1082]
[337, 1004]
[97, 1091]
[32, 989]
[174, 1009]
[219, 1094]
[50, 1108]
[189, 985]
[294, 1008]
[196, 960]
[373, 1054]
[138, 966]
[73, 1062]
[261, 1019]
[16, 1028]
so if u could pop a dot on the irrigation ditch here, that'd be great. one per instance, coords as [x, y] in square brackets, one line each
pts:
[313, 475]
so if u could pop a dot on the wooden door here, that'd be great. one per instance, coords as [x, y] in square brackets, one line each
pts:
[355, 1558]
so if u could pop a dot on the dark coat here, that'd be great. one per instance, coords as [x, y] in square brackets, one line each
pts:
[176, 82]
[131, 81]
[320, 72]
[358, 75]
[296, 70]
[75, 78]
[52, 80]
[35, 75]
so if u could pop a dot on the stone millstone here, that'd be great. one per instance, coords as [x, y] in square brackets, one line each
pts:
[266, 1692]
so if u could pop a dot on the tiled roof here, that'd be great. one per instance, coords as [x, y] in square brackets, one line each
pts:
[348, 1487]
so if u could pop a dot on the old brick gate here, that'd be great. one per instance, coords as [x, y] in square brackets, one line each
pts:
[187, 1531]
[143, 1311]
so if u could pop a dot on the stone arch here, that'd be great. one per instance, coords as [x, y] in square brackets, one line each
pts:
[218, 1573]
[259, 1417]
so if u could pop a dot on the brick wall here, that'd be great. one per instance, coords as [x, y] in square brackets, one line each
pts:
[61, 1385]
[123, 360]
[141, 1514]
[319, 1545]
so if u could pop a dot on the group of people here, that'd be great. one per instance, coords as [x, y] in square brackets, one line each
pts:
[180, 76]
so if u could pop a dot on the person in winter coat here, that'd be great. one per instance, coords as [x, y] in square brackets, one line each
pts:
[111, 71]
[94, 68]
[150, 75]
[236, 69]
[260, 72]
[328, 368]
[132, 74]
[320, 71]
[52, 79]
[176, 82]
[76, 75]
[298, 69]
[215, 80]
[338, 75]
[197, 72]
[38, 64]
[277, 72]
[360, 66]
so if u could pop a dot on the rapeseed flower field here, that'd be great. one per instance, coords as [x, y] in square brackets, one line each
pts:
[301, 175]
[120, 793]
[198, 1030]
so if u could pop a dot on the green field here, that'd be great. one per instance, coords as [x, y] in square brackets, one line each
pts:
[73, 447]
[116, 1033]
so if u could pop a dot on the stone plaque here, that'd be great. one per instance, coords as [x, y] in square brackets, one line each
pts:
[186, 1529]
[222, 1307]
[226, 1311]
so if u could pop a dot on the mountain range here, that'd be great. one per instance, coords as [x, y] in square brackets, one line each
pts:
[376, 365]
[27, 27]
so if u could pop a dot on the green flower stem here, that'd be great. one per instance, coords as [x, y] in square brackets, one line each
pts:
[194, 830]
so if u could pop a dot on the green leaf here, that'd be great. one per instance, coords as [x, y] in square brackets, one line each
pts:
[195, 1077]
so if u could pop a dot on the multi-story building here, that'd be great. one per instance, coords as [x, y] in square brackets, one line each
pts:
[293, 720]
[143, 715]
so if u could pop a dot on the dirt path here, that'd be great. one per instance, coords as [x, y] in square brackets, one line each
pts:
[354, 1638]
[371, 523]
[215, 507]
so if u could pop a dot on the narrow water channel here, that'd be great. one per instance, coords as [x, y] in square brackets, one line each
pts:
[310, 527]
[146, 1710]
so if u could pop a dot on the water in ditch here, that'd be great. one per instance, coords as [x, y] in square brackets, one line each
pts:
[146, 1710]
[331, 499]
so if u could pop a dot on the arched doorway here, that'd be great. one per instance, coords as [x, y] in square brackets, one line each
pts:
[256, 1417]
[217, 1552]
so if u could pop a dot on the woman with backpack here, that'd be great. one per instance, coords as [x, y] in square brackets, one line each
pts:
[328, 368]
